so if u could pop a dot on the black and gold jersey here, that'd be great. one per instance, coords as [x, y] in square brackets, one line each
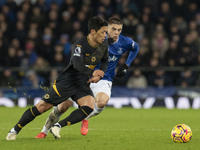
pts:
[84, 59]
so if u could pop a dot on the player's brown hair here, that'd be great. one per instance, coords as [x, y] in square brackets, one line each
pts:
[115, 20]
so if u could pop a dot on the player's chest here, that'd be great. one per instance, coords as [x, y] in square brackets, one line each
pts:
[94, 55]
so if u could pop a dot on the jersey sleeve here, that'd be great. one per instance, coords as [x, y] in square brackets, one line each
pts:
[104, 61]
[77, 60]
[133, 51]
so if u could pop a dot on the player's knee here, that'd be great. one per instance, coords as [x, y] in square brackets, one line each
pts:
[101, 103]
[43, 106]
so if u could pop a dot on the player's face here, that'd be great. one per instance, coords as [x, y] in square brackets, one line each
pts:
[114, 31]
[100, 35]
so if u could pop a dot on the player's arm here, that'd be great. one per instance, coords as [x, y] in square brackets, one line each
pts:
[77, 60]
[132, 53]
[134, 49]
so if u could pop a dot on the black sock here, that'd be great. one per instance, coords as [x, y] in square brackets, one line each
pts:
[27, 117]
[76, 116]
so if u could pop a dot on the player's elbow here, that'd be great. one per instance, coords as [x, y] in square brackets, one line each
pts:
[137, 47]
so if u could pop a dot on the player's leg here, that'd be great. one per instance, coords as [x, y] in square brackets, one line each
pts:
[54, 116]
[27, 117]
[102, 92]
[101, 100]
[86, 104]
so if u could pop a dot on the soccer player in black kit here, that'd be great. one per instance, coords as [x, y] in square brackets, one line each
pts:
[74, 80]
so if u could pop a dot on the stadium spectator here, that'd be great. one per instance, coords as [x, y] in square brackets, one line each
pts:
[53, 20]
[164, 15]
[40, 65]
[20, 32]
[29, 52]
[124, 7]
[171, 54]
[137, 79]
[66, 24]
[41, 4]
[187, 56]
[32, 80]
[186, 78]
[159, 78]
[11, 58]
[8, 79]
[66, 45]
[160, 42]
[147, 22]
[37, 17]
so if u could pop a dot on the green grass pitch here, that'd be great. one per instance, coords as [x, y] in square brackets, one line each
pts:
[114, 129]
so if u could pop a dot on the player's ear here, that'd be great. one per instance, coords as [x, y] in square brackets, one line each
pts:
[92, 31]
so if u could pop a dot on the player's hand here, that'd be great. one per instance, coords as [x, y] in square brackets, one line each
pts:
[122, 71]
[94, 79]
[98, 73]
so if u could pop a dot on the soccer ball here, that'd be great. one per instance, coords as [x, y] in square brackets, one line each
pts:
[181, 133]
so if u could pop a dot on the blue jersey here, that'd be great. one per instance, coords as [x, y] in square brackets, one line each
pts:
[116, 50]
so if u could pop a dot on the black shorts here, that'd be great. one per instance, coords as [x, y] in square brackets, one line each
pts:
[58, 94]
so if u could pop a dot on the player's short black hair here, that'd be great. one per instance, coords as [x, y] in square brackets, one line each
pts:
[96, 23]
[115, 20]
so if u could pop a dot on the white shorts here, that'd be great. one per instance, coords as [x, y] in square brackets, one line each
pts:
[104, 86]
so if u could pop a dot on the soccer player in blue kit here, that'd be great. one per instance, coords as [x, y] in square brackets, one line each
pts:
[102, 90]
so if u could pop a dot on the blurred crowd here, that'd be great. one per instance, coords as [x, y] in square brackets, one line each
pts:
[37, 34]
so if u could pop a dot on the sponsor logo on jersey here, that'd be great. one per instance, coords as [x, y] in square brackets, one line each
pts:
[87, 54]
[77, 51]
[93, 59]
[91, 66]
[113, 58]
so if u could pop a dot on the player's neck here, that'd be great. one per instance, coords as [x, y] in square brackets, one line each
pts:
[91, 41]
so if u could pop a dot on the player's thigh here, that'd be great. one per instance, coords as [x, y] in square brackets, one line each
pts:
[84, 96]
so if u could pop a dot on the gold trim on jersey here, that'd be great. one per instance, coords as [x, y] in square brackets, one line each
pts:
[90, 43]
[55, 88]
[79, 45]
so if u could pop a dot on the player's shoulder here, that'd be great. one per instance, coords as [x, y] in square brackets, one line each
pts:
[105, 42]
[81, 42]
[125, 38]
